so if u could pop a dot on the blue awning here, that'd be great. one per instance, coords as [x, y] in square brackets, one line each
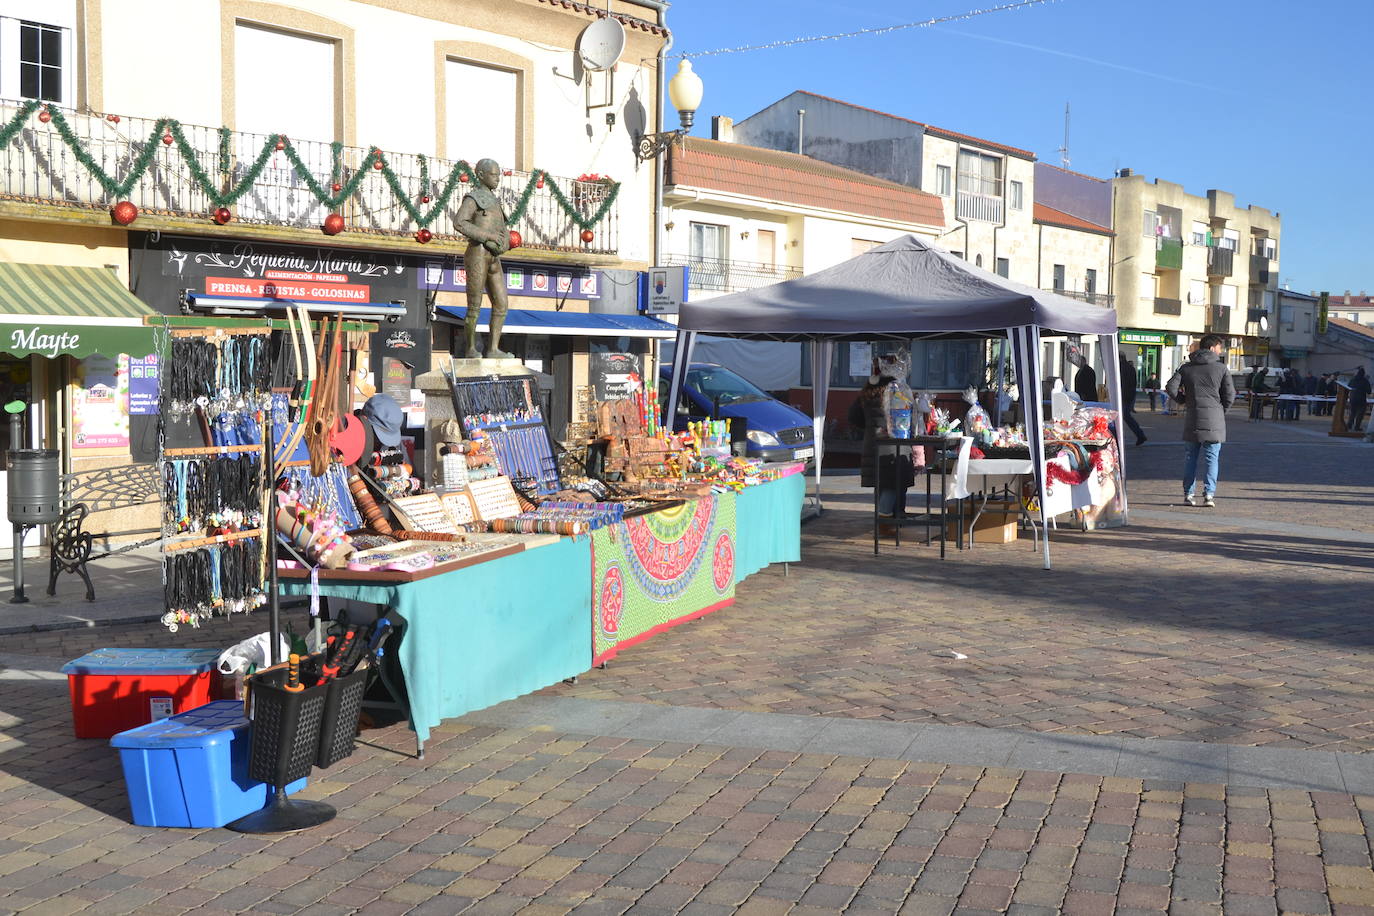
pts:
[575, 324]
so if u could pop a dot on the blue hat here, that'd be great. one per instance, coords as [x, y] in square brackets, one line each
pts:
[382, 411]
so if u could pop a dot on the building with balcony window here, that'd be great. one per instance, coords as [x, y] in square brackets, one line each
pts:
[1073, 242]
[249, 122]
[1294, 330]
[986, 188]
[743, 216]
[1185, 265]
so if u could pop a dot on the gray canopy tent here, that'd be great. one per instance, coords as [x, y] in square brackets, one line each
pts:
[906, 289]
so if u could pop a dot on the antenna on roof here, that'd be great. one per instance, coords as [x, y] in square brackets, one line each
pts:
[1064, 150]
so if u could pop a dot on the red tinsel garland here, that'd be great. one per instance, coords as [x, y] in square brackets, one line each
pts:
[1056, 473]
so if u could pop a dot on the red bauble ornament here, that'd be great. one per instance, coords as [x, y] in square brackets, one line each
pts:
[425, 199]
[515, 240]
[222, 215]
[333, 224]
[113, 119]
[423, 236]
[336, 187]
[378, 163]
[463, 178]
[45, 116]
[281, 142]
[588, 235]
[124, 213]
[539, 183]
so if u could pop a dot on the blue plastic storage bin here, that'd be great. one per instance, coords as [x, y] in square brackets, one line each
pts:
[191, 770]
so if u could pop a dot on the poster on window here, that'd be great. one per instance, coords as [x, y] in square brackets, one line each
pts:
[860, 359]
[100, 403]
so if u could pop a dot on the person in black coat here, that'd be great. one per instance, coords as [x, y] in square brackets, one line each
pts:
[1128, 393]
[1359, 399]
[1203, 386]
[1085, 383]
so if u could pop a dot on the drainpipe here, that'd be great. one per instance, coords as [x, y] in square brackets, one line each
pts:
[801, 130]
[660, 86]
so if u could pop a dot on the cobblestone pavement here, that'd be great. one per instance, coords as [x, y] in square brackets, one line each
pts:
[1243, 625]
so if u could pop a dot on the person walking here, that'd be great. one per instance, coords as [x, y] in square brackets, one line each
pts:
[1309, 389]
[1204, 388]
[1152, 389]
[1359, 399]
[1128, 399]
[1257, 387]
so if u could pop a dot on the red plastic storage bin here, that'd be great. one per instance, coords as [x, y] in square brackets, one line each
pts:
[114, 690]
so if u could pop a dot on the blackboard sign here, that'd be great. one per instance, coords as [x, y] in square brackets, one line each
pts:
[615, 376]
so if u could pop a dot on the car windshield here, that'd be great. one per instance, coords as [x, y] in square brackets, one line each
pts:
[718, 385]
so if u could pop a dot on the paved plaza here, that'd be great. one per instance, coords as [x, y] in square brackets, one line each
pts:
[1178, 718]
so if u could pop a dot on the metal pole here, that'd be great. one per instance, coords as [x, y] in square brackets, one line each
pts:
[19, 597]
[269, 529]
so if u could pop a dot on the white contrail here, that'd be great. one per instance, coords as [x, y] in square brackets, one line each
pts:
[1085, 59]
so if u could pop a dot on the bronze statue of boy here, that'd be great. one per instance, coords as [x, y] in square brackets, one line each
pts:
[482, 219]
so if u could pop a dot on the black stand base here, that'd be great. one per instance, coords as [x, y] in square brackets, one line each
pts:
[284, 815]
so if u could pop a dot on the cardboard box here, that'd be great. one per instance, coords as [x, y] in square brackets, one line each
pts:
[994, 526]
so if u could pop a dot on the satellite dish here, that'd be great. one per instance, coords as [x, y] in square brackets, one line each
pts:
[601, 44]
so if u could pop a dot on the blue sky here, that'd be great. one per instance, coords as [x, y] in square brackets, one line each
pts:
[1268, 99]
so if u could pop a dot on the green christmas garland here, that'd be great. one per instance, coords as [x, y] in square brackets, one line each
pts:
[225, 194]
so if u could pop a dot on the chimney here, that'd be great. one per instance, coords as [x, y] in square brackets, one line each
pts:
[723, 129]
[1124, 173]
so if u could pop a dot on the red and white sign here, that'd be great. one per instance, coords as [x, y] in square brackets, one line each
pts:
[304, 290]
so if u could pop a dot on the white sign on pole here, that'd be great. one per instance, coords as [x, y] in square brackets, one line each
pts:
[665, 290]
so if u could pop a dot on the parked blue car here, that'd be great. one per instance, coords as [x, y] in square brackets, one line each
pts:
[776, 431]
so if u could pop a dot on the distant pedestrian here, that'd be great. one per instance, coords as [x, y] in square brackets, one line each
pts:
[1152, 389]
[1309, 389]
[1359, 399]
[1128, 398]
[1257, 388]
[1203, 386]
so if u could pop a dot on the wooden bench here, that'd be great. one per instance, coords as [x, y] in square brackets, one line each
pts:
[97, 491]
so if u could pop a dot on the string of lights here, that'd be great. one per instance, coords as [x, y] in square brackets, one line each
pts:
[880, 30]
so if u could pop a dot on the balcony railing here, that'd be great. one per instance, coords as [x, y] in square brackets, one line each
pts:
[1104, 299]
[1168, 306]
[1169, 253]
[722, 275]
[1221, 262]
[81, 160]
[1219, 319]
[982, 207]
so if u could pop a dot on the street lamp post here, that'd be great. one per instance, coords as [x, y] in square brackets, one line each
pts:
[685, 91]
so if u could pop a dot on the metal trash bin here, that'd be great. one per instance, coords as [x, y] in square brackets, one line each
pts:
[35, 488]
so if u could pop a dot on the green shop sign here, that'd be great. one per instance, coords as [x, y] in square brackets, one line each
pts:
[1155, 338]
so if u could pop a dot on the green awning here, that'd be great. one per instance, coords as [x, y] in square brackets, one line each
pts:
[70, 311]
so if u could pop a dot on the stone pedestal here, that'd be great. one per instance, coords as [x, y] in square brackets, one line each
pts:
[439, 401]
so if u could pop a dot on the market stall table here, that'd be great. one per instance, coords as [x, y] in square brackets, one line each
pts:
[484, 633]
[937, 460]
[496, 629]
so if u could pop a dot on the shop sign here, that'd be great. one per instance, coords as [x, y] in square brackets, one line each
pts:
[663, 290]
[1294, 352]
[36, 339]
[253, 270]
[1155, 338]
[143, 385]
[521, 280]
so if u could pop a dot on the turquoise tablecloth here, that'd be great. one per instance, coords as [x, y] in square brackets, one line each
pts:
[768, 524]
[486, 633]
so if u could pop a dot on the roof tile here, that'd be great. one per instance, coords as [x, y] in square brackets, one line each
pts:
[1052, 217]
[791, 178]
